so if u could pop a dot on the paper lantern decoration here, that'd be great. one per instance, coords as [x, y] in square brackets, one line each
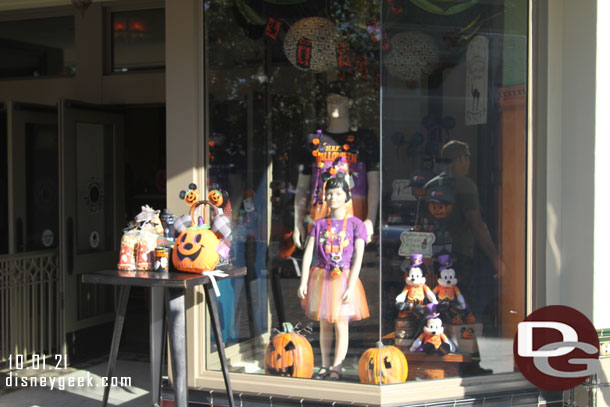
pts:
[311, 45]
[413, 55]
[383, 363]
[289, 354]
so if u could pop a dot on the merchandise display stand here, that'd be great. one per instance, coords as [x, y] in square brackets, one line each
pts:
[170, 286]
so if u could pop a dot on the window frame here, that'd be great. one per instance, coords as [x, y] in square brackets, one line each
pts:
[199, 378]
[118, 6]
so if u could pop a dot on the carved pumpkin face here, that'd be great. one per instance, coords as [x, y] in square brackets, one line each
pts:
[467, 333]
[195, 250]
[215, 196]
[191, 197]
[383, 363]
[470, 319]
[439, 210]
[289, 354]
[457, 320]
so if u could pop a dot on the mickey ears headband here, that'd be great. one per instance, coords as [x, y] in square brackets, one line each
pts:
[190, 195]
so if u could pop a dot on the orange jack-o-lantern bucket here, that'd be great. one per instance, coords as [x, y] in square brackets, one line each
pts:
[196, 247]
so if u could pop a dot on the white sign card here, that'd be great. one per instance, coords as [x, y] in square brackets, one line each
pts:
[401, 190]
[416, 242]
[477, 63]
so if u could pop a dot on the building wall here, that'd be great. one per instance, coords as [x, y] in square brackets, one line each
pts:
[89, 84]
[570, 147]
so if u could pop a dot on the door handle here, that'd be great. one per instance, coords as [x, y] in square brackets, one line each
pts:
[70, 245]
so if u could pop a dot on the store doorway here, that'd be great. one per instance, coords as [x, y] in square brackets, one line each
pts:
[72, 181]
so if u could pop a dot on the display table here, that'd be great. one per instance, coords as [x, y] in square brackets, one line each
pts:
[171, 286]
[424, 366]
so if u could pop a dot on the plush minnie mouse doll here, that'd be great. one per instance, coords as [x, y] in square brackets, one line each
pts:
[451, 301]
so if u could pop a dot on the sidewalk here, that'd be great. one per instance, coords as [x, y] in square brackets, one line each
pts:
[68, 392]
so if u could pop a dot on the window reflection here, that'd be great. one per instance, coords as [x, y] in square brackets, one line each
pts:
[138, 40]
[40, 47]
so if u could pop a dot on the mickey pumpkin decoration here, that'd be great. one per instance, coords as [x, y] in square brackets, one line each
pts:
[440, 200]
[383, 363]
[196, 247]
[289, 354]
[190, 195]
[467, 333]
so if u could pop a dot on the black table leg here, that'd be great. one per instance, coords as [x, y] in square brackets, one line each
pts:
[116, 337]
[177, 343]
[210, 299]
[157, 340]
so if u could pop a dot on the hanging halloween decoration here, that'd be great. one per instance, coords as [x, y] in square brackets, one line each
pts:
[385, 364]
[272, 29]
[395, 7]
[289, 354]
[413, 56]
[440, 200]
[310, 44]
[362, 67]
[377, 34]
[196, 248]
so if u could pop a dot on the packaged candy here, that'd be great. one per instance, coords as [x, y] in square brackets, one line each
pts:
[129, 243]
[146, 251]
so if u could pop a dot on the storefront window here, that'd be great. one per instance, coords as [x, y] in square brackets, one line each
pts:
[40, 47]
[417, 109]
[138, 40]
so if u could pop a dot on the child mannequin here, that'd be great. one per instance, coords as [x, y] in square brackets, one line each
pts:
[331, 291]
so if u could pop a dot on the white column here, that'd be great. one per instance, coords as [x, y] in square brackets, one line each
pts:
[571, 114]
[601, 299]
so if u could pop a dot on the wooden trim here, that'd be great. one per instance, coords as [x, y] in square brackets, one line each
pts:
[512, 97]
[513, 207]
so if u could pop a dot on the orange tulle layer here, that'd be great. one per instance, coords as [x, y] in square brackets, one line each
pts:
[324, 298]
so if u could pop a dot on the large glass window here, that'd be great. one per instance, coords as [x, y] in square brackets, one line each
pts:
[138, 40]
[373, 153]
[40, 47]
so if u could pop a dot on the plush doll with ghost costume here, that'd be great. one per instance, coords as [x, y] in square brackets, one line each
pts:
[451, 302]
[410, 302]
[433, 339]
[330, 291]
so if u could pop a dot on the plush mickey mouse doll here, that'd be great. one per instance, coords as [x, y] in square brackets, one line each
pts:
[415, 292]
[433, 339]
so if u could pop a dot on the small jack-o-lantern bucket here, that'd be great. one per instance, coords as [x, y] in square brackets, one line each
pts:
[196, 248]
